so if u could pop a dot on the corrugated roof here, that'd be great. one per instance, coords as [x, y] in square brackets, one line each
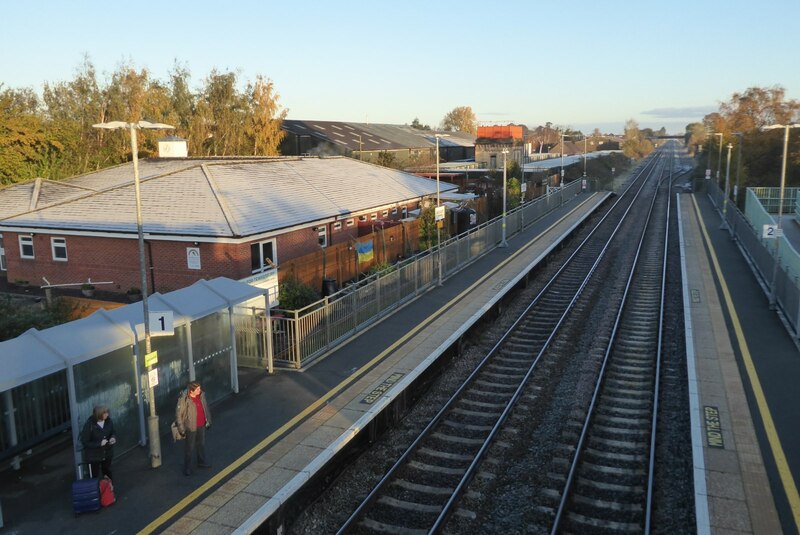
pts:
[223, 197]
[376, 136]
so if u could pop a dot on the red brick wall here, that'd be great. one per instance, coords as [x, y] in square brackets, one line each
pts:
[116, 260]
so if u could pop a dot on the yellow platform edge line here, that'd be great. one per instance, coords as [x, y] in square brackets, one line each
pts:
[225, 472]
[775, 445]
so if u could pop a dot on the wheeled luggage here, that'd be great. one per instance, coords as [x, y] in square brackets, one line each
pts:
[86, 495]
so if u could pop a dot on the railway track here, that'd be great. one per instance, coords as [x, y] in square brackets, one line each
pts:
[608, 488]
[420, 491]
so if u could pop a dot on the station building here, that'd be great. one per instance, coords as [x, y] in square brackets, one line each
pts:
[202, 218]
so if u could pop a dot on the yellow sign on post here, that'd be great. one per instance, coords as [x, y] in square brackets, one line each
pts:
[151, 359]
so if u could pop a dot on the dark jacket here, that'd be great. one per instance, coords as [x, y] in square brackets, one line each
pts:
[91, 437]
[186, 413]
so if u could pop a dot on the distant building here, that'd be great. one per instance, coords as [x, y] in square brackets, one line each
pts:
[493, 140]
[406, 146]
[202, 218]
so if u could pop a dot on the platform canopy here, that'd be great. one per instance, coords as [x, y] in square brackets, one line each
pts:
[36, 354]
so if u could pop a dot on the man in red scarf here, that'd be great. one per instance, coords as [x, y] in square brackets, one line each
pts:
[193, 418]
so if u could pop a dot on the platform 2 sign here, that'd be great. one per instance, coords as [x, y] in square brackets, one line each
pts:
[713, 428]
[382, 388]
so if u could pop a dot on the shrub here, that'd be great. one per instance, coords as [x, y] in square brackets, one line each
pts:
[17, 316]
[294, 295]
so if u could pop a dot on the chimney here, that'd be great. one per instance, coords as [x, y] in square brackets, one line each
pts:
[172, 147]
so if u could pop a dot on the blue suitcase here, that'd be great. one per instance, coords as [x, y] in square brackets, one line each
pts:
[86, 495]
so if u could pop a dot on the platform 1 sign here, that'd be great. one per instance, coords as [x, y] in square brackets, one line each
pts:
[161, 323]
[771, 231]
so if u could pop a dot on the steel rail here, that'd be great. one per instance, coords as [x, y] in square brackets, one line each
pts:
[350, 522]
[591, 410]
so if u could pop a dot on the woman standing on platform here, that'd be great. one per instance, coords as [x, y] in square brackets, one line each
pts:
[193, 418]
[98, 441]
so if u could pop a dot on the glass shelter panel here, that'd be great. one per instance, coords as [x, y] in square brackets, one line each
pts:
[211, 349]
[110, 380]
[173, 373]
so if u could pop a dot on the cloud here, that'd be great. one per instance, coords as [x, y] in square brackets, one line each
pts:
[688, 112]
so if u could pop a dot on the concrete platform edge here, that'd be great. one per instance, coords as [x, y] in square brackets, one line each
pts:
[295, 484]
[702, 518]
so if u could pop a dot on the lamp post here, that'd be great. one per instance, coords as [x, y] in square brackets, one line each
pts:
[561, 176]
[154, 439]
[740, 135]
[719, 158]
[584, 156]
[779, 233]
[438, 229]
[359, 146]
[724, 224]
[503, 242]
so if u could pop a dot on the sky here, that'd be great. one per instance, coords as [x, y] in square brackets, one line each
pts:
[580, 64]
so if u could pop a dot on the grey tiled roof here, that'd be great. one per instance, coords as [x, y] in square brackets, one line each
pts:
[214, 197]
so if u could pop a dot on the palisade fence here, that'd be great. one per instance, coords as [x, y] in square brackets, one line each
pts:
[300, 336]
[748, 231]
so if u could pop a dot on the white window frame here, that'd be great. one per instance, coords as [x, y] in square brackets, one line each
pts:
[385, 213]
[63, 245]
[337, 225]
[362, 218]
[322, 235]
[29, 241]
[351, 222]
[394, 210]
[264, 266]
[405, 212]
[373, 217]
[3, 266]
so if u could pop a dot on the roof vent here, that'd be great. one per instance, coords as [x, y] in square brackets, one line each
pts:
[172, 147]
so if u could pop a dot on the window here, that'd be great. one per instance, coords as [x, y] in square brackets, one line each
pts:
[59, 248]
[394, 211]
[493, 161]
[322, 236]
[373, 217]
[405, 212]
[337, 225]
[362, 218]
[262, 256]
[351, 222]
[26, 247]
[385, 213]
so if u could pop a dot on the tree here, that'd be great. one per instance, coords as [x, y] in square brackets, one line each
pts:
[460, 119]
[265, 117]
[757, 107]
[71, 108]
[635, 144]
[386, 159]
[695, 135]
[24, 141]
[419, 126]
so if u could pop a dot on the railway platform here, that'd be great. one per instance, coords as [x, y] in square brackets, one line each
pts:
[743, 370]
[278, 433]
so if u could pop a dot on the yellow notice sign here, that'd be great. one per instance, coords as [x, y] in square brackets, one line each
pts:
[151, 359]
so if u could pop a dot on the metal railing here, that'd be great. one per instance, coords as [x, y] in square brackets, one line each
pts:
[300, 336]
[761, 255]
